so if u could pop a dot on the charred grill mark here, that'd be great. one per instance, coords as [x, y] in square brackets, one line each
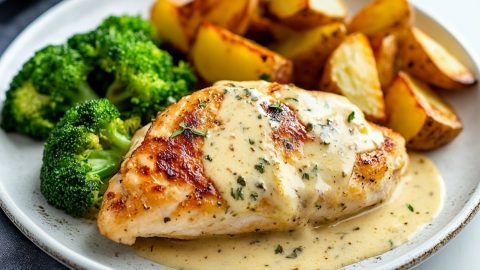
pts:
[179, 159]
[290, 134]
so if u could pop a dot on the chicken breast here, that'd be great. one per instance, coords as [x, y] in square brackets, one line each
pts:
[242, 157]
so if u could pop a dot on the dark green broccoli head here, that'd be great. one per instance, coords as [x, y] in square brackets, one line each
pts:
[48, 84]
[82, 152]
[146, 79]
[112, 29]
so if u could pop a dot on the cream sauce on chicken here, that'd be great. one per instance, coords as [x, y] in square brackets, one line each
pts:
[416, 201]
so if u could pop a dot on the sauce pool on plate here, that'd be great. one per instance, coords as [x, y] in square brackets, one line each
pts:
[416, 201]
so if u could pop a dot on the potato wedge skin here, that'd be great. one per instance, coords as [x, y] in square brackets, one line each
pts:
[177, 22]
[174, 22]
[309, 51]
[417, 113]
[265, 30]
[218, 54]
[427, 60]
[351, 71]
[385, 50]
[382, 17]
[304, 14]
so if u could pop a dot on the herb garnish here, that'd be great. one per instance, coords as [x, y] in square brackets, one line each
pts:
[254, 196]
[241, 181]
[351, 116]
[208, 157]
[260, 186]
[305, 176]
[410, 207]
[251, 142]
[260, 167]
[237, 194]
[279, 249]
[275, 106]
[264, 77]
[295, 252]
[291, 98]
[182, 128]
[201, 104]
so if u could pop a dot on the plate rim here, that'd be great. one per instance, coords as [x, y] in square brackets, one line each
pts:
[76, 260]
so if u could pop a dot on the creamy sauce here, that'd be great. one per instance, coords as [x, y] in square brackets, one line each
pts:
[416, 201]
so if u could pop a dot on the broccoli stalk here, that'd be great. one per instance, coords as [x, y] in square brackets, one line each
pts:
[83, 151]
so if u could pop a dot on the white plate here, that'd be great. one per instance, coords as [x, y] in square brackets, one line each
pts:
[77, 243]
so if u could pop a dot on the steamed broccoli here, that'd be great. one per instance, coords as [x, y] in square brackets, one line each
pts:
[118, 60]
[146, 79]
[48, 84]
[89, 44]
[82, 152]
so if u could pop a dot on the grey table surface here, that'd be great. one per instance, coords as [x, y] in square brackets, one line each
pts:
[17, 252]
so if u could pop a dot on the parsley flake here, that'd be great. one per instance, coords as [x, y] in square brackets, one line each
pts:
[351, 116]
[410, 207]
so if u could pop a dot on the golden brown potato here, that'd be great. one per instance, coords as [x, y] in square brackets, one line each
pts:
[218, 54]
[265, 30]
[382, 17]
[427, 60]
[385, 51]
[308, 13]
[177, 21]
[419, 115]
[309, 51]
[351, 71]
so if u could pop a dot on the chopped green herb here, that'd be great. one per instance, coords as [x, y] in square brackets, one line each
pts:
[183, 127]
[295, 252]
[259, 116]
[260, 186]
[250, 141]
[238, 97]
[254, 98]
[291, 98]
[177, 132]
[351, 116]
[166, 219]
[410, 207]
[275, 106]
[264, 77]
[305, 176]
[254, 196]
[265, 161]
[241, 181]
[197, 132]
[260, 167]
[247, 92]
[391, 243]
[279, 249]
[237, 194]
[201, 104]
[208, 157]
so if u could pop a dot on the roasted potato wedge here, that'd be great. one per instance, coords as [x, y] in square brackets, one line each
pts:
[309, 51]
[427, 60]
[382, 17]
[264, 30]
[177, 21]
[219, 54]
[385, 51]
[308, 13]
[419, 115]
[351, 71]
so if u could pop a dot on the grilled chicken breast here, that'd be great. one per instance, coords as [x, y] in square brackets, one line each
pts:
[243, 157]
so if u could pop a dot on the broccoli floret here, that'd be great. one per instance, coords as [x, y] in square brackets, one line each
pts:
[48, 84]
[146, 79]
[89, 44]
[82, 152]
